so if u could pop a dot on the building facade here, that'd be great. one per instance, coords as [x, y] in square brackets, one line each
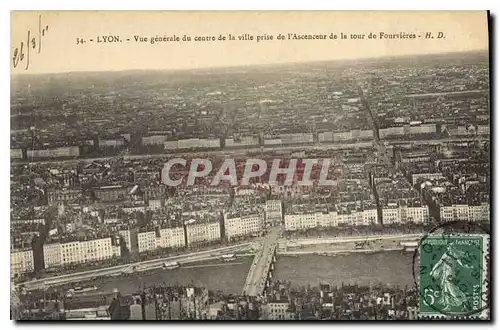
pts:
[274, 212]
[111, 193]
[171, 238]
[203, 232]
[465, 212]
[243, 225]
[77, 252]
[21, 262]
[146, 241]
[278, 310]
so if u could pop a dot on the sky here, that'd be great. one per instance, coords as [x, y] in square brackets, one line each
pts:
[59, 52]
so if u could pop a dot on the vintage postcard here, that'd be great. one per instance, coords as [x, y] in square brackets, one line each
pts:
[286, 165]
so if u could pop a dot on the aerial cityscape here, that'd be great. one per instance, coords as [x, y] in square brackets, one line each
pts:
[97, 233]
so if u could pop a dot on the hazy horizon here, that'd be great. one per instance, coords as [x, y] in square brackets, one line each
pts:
[253, 66]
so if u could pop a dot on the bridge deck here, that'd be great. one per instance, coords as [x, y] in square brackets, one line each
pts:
[257, 275]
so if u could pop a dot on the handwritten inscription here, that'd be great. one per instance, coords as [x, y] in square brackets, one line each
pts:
[22, 54]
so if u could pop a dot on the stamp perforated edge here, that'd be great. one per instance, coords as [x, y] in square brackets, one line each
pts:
[484, 314]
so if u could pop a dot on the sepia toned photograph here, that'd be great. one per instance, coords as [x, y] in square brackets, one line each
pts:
[250, 165]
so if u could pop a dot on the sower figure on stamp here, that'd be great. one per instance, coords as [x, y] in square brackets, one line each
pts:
[445, 272]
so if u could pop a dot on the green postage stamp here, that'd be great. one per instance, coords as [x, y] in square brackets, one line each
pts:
[454, 277]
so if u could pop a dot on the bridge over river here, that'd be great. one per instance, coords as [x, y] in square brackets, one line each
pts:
[263, 265]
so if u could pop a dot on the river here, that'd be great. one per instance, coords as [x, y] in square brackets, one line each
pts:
[228, 277]
[391, 268]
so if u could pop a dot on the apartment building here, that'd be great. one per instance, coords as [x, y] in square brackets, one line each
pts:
[160, 238]
[239, 225]
[465, 212]
[274, 212]
[21, 261]
[75, 252]
[203, 232]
